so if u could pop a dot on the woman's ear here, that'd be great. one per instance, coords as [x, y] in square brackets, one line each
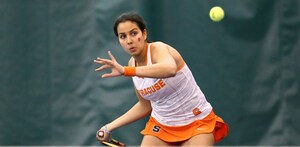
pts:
[145, 34]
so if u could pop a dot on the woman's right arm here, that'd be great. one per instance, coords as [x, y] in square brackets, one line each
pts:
[141, 109]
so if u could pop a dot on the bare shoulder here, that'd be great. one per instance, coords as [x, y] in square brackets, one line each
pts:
[158, 45]
[161, 46]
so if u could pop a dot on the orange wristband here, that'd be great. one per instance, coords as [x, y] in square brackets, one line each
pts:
[129, 71]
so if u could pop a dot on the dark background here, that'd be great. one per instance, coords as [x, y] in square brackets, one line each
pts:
[247, 65]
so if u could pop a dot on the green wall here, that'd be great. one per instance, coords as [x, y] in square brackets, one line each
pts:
[247, 66]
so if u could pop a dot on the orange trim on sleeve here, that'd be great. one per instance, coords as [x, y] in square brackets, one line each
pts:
[181, 67]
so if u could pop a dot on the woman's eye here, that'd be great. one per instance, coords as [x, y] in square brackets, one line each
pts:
[122, 36]
[133, 33]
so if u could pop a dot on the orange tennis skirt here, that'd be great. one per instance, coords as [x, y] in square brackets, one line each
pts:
[210, 124]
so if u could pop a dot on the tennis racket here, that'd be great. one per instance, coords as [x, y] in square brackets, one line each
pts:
[112, 142]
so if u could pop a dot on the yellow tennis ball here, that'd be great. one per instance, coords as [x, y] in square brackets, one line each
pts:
[216, 14]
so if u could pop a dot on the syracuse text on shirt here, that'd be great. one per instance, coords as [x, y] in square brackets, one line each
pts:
[152, 89]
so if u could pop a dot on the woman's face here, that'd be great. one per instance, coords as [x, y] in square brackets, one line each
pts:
[131, 38]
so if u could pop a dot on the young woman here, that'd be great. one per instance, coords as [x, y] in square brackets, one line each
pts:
[166, 89]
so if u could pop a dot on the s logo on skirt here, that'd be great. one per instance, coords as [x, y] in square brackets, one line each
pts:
[156, 129]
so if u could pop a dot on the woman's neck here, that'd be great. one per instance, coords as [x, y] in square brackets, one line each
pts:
[141, 59]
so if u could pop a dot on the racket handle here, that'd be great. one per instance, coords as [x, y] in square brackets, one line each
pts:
[109, 144]
[117, 142]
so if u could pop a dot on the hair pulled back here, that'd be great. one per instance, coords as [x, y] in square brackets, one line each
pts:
[130, 16]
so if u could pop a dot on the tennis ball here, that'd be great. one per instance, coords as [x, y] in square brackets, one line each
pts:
[216, 14]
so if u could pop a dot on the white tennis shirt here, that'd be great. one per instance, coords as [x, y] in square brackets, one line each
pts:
[173, 99]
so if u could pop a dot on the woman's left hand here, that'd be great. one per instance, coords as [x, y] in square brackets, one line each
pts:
[116, 68]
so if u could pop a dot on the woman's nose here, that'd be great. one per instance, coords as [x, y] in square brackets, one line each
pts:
[129, 40]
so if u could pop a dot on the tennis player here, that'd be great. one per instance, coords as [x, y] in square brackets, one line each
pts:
[165, 88]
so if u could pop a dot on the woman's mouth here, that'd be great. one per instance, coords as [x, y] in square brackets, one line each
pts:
[132, 49]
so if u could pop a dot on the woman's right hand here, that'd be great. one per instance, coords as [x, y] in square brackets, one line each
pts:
[103, 134]
[116, 68]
